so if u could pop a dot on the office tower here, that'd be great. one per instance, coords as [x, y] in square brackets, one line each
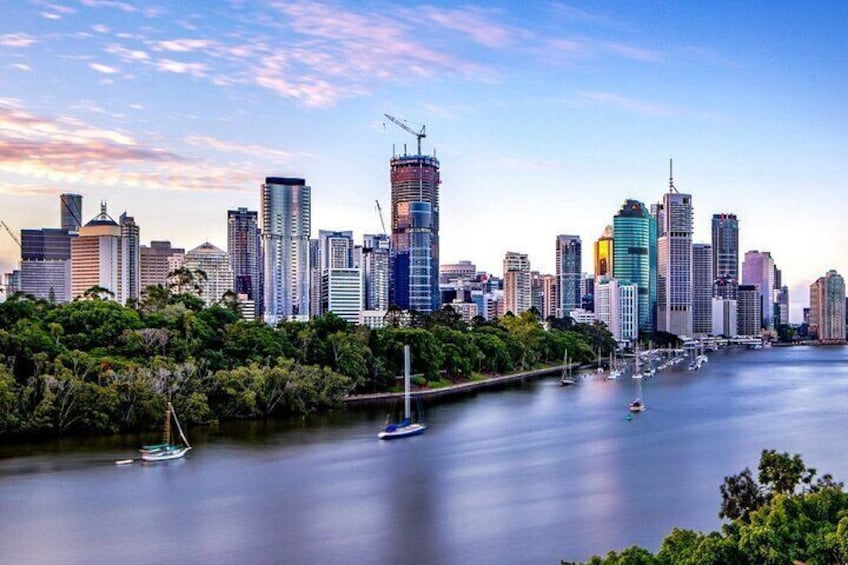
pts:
[549, 288]
[341, 282]
[96, 257]
[537, 292]
[70, 212]
[827, 308]
[569, 263]
[604, 250]
[517, 292]
[635, 257]
[749, 313]
[724, 317]
[674, 264]
[217, 277]
[781, 312]
[131, 252]
[415, 232]
[244, 246]
[758, 269]
[702, 289]
[375, 265]
[725, 230]
[335, 249]
[46, 264]
[587, 292]
[617, 307]
[286, 224]
[451, 272]
[156, 261]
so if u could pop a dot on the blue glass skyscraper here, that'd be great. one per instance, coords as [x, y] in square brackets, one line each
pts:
[635, 257]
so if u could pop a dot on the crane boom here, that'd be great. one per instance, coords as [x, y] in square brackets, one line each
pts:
[402, 124]
[11, 233]
[380, 213]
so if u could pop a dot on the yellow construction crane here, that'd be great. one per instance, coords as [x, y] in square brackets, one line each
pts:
[11, 233]
[402, 124]
[380, 213]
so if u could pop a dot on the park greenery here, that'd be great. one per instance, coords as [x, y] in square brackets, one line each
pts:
[788, 515]
[95, 366]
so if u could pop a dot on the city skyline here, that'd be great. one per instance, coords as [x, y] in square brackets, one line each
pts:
[545, 119]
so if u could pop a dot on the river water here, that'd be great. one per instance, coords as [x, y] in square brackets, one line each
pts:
[533, 473]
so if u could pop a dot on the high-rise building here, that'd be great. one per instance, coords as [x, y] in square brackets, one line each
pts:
[674, 264]
[244, 246]
[217, 277]
[827, 308]
[537, 292]
[451, 272]
[617, 307]
[96, 257]
[725, 230]
[635, 257]
[46, 264]
[604, 254]
[341, 282]
[569, 264]
[70, 212]
[130, 249]
[156, 261]
[286, 224]
[749, 312]
[375, 265]
[335, 249]
[702, 289]
[551, 303]
[758, 269]
[725, 311]
[415, 232]
[517, 291]
[781, 311]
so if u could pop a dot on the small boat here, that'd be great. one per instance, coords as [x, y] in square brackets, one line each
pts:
[636, 406]
[405, 427]
[615, 372]
[167, 450]
[566, 379]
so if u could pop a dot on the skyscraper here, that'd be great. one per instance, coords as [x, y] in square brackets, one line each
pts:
[375, 265]
[758, 269]
[70, 211]
[617, 307]
[244, 246]
[46, 264]
[341, 280]
[156, 261]
[725, 229]
[517, 289]
[569, 264]
[827, 308]
[674, 264]
[635, 257]
[604, 254]
[96, 258]
[749, 313]
[130, 250]
[415, 232]
[214, 263]
[286, 224]
[702, 289]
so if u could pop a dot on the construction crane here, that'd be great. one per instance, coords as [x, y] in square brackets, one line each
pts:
[402, 124]
[380, 213]
[11, 233]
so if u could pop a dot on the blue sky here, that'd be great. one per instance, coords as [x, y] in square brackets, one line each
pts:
[545, 116]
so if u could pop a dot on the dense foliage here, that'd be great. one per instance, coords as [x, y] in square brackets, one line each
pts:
[790, 516]
[96, 366]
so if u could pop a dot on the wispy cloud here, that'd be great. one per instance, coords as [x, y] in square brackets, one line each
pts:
[16, 40]
[610, 99]
[230, 147]
[105, 69]
[473, 22]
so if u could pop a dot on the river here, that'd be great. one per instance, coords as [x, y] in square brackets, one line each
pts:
[532, 473]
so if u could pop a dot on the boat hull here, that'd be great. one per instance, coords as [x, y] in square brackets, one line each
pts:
[402, 431]
[164, 454]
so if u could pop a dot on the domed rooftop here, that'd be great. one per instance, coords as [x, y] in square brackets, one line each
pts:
[102, 219]
[207, 248]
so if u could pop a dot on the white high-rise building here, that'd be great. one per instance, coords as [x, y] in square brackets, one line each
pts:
[724, 312]
[517, 288]
[215, 264]
[617, 307]
[674, 263]
[343, 291]
[286, 225]
[375, 265]
[758, 269]
[97, 259]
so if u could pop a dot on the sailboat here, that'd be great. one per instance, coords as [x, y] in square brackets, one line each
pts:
[406, 427]
[166, 450]
[615, 372]
[637, 372]
[600, 369]
[638, 405]
[566, 379]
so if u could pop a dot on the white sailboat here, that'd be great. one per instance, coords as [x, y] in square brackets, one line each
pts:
[566, 379]
[638, 405]
[166, 450]
[406, 427]
[615, 372]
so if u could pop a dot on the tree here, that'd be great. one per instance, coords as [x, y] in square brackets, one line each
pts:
[740, 495]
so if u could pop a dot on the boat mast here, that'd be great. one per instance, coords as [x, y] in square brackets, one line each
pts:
[406, 386]
[179, 427]
[166, 432]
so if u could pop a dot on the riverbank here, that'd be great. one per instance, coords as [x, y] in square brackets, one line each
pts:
[459, 388]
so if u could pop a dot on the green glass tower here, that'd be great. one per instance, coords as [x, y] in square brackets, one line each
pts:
[635, 257]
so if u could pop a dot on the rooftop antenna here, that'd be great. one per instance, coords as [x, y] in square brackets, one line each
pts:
[671, 187]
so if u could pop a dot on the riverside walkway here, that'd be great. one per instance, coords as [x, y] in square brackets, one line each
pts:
[461, 388]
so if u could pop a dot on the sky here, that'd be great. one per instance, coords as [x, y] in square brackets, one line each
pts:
[545, 116]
